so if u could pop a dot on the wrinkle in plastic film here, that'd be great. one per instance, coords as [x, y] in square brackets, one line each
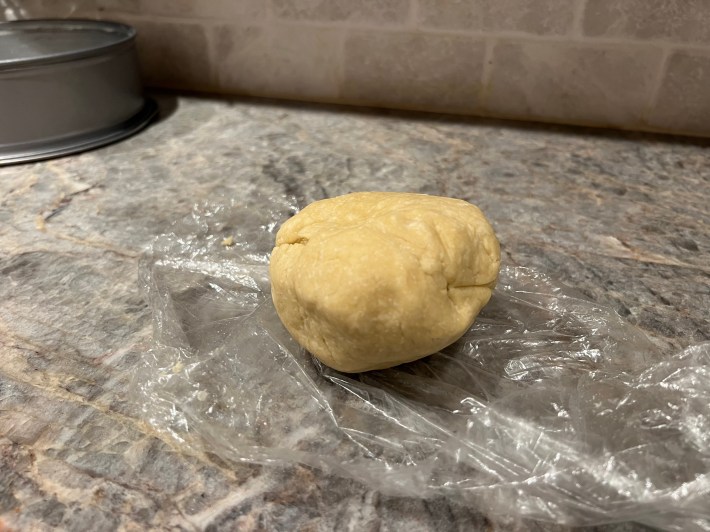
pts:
[550, 407]
[26, 9]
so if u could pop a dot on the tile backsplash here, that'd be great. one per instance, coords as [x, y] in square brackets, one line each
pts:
[633, 64]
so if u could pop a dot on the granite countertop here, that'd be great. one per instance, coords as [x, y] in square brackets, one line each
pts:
[623, 217]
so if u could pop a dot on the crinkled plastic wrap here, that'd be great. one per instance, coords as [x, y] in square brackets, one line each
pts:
[550, 407]
[25, 9]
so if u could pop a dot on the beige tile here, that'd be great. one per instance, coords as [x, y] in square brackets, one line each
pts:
[281, 61]
[78, 9]
[541, 17]
[227, 10]
[374, 12]
[232, 10]
[168, 8]
[674, 20]
[413, 70]
[683, 103]
[14, 10]
[572, 83]
[106, 7]
[173, 55]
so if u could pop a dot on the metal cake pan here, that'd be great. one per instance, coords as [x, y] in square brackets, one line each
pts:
[67, 86]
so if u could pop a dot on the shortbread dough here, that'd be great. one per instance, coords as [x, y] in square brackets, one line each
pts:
[371, 280]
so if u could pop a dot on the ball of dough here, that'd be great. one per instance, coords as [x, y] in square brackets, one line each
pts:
[374, 279]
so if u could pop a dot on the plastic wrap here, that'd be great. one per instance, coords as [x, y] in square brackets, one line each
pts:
[25, 9]
[550, 407]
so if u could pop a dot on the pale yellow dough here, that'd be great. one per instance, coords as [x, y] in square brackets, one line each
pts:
[374, 279]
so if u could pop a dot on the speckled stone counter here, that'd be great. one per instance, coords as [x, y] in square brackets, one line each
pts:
[622, 217]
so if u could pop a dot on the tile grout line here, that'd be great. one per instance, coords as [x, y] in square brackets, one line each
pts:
[214, 70]
[413, 18]
[490, 43]
[342, 37]
[577, 16]
[658, 82]
[509, 35]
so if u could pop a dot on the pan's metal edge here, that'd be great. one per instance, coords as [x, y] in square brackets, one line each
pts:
[127, 39]
[84, 141]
